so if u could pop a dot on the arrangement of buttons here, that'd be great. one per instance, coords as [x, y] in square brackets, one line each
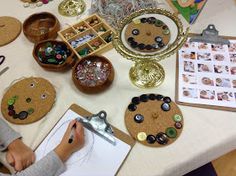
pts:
[154, 120]
[53, 55]
[90, 36]
[35, 3]
[147, 34]
[93, 74]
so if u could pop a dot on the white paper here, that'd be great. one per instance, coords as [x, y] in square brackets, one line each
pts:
[97, 157]
[207, 74]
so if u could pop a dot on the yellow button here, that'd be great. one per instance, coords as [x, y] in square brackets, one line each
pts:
[142, 136]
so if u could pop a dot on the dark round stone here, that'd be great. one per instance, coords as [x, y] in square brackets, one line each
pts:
[144, 98]
[23, 115]
[161, 44]
[162, 138]
[167, 99]
[158, 39]
[165, 106]
[164, 27]
[136, 100]
[159, 97]
[151, 139]
[143, 20]
[10, 107]
[178, 125]
[152, 96]
[11, 112]
[135, 32]
[148, 47]
[141, 46]
[138, 118]
[151, 20]
[134, 44]
[130, 39]
[132, 107]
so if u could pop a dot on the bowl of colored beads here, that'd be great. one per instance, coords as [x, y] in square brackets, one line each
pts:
[93, 74]
[41, 26]
[53, 55]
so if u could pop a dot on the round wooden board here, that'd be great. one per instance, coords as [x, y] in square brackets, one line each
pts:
[10, 28]
[39, 90]
[151, 125]
[147, 34]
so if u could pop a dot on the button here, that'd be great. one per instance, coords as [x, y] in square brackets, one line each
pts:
[158, 39]
[151, 20]
[159, 97]
[171, 132]
[167, 99]
[10, 107]
[23, 115]
[11, 101]
[165, 107]
[135, 32]
[135, 100]
[178, 125]
[141, 136]
[130, 39]
[166, 32]
[143, 20]
[141, 46]
[164, 27]
[134, 44]
[11, 112]
[132, 107]
[138, 118]
[152, 96]
[162, 138]
[148, 47]
[159, 23]
[161, 44]
[151, 139]
[144, 98]
[177, 118]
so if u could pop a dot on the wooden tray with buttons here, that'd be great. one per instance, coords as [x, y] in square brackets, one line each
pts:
[154, 120]
[89, 36]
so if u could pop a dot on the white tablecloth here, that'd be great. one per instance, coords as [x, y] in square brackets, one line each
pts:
[207, 134]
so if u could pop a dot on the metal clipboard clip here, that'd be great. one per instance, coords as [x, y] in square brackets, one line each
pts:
[98, 124]
[210, 35]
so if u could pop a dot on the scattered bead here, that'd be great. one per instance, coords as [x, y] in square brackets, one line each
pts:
[165, 107]
[138, 118]
[132, 107]
[142, 136]
[162, 138]
[171, 132]
[151, 139]
[178, 125]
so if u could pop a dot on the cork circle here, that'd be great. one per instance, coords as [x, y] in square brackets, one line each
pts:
[10, 28]
[28, 100]
[147, 34]
[154, 120]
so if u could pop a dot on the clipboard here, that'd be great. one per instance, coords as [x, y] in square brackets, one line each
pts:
[117, 133]
[211, 37]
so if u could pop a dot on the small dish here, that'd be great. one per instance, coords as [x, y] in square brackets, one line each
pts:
[53, 55]
[93, 74]
[41, 26]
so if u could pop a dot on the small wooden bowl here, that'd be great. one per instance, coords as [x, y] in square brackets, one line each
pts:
[67, 64]
[86, 83]
[41, 26]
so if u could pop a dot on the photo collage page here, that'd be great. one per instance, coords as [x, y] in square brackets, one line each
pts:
[207, 74]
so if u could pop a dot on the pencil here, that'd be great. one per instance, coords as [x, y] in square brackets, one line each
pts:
[72, 134]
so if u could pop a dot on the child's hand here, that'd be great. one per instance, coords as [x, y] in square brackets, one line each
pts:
[19, 155]
[65, 149]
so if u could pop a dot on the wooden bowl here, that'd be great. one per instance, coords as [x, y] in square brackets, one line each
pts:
[67, 62]
[41, 26]
[85, 81]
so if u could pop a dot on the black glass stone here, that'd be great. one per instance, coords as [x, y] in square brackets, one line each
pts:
[161, 44]
[143, 20]
[136, 100]
[138, 118]
[10, 107]
[132, 107]
[134, 44]
[152, 96]
[151, 20]
[151, 139]
[130, 39]
[135, 32]
[141, 46]
[148, 47]
[165, 106]
[23, 115]
[167, 99]
[159, 97]
[144, 98]
[158, 39]
[162, 138]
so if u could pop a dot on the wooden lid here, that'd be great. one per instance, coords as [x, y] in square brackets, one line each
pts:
[10, 28]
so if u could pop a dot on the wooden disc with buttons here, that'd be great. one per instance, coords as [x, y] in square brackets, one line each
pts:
[28, 100]
[154, 120]
[147, 34]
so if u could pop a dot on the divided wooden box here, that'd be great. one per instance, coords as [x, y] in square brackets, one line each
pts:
[92, 25]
